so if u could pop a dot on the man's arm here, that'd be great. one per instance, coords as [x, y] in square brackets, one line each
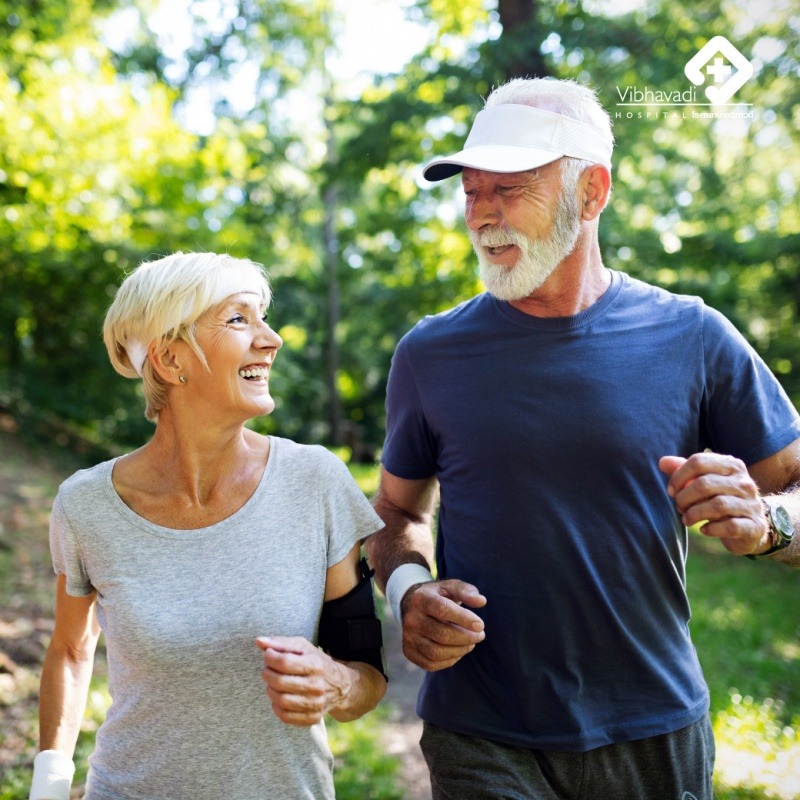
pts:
[726, 493]
[437, 629]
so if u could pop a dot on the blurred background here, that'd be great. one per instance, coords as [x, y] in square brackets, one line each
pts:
[292, 132]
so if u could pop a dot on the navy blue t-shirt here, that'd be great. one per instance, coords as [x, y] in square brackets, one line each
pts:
[545, 436]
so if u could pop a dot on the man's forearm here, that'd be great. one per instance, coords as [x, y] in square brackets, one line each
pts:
[406, 539]
[400, 542]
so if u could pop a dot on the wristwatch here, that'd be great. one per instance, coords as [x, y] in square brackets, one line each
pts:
[780, 528]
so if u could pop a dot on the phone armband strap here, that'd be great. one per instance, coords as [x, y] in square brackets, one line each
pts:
[349, 628]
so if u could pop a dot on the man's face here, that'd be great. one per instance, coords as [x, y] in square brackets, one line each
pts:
[522, 226]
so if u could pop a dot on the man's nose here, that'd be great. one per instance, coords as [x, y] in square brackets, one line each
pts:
[481, 210]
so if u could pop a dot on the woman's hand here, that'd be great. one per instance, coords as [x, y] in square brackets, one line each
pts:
[303, 683]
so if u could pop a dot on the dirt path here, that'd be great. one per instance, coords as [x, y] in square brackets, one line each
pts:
[403, 732]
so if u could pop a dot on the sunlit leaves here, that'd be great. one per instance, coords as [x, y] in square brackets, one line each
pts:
[101, 163]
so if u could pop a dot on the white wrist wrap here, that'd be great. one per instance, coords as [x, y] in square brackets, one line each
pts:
[52, 776]
[400, 581]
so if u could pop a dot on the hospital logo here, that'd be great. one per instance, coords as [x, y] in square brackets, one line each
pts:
[720, 65]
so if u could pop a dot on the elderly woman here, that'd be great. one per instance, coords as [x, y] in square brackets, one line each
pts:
[214, 558]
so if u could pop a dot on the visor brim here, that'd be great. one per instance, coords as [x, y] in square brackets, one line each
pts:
[489, 158]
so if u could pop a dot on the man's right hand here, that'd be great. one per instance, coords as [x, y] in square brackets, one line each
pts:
[437, 628]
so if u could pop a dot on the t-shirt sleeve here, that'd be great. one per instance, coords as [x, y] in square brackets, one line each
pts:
[746, 411]
[65, 552]
[347, 515]
[409, 450]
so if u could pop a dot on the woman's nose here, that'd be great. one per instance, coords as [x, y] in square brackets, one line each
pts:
[268, 338]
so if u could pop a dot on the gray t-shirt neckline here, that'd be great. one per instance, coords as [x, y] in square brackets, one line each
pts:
[107, 475]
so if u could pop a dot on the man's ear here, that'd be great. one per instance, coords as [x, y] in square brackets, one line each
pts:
[168, 361]
[595, 189]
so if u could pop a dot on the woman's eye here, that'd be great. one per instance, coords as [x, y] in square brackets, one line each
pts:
[265, 317]
[236, 320]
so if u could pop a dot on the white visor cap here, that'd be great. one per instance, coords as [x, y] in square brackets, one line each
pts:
[515, 138]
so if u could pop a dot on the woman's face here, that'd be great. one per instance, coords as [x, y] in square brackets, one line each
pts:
[240, 347]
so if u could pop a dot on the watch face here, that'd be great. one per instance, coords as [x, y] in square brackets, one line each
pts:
[782, 522]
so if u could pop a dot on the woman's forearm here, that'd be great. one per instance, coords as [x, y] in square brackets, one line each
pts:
[367, 687]
[62, 698]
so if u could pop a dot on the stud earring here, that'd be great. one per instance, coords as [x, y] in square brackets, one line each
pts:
[182, 378]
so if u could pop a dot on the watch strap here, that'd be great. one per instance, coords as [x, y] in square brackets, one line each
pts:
[779, 539]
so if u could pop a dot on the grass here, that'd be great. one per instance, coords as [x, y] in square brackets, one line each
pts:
[362, 770]
[745, 626]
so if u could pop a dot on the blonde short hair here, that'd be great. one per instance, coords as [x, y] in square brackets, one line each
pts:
[160, 301]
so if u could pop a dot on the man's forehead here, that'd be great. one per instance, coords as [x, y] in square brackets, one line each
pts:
[471, 175]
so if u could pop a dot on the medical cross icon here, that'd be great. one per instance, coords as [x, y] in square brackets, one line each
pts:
[719, 70]
[727, 78]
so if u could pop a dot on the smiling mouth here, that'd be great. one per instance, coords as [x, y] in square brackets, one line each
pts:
[254, 373]
[499, 249]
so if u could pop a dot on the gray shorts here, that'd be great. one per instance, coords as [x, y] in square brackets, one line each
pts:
[675, 766]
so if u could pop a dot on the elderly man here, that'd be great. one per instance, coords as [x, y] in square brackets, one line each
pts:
[573, 421]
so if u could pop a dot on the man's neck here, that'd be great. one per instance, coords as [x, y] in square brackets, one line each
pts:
[578, 282]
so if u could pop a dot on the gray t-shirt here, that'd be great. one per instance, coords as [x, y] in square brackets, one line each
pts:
[180, 609]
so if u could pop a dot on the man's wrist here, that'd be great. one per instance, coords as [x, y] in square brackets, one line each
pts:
[52, 776]
[400, 581]
[779, 533]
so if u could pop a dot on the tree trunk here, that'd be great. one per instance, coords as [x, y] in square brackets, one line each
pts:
[331, 238]
[524, 58]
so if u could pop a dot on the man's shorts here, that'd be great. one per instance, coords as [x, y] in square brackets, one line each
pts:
[674, 766]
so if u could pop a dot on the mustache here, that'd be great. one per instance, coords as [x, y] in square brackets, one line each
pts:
[495, 237]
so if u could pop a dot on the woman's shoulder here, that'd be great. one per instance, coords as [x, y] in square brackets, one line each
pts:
[86, 483]
[85, 491]
[308, 454]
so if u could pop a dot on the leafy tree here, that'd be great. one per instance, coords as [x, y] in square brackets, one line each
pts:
[699, 206]
[104, 161]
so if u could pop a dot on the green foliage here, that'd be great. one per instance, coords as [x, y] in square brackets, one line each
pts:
[362, 770]
[746, 637]
[104, 163]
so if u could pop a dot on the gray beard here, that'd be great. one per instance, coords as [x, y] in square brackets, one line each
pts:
[538, 257]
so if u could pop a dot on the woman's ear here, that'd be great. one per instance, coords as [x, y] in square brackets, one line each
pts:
[168, 362]
[596, 188]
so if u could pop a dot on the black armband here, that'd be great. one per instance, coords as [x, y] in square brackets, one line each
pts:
[349, 628]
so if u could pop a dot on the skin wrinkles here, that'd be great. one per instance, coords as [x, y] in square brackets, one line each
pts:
[536, 258]
[233, 335]
[552, 264]
[522, 201]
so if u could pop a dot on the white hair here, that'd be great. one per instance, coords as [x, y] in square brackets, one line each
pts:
[160, 301]
[538, 257]
[565, 97]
